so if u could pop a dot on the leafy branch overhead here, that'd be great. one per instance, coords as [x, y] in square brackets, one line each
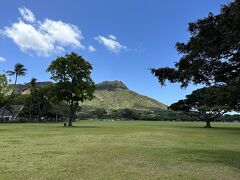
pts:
[211, 56]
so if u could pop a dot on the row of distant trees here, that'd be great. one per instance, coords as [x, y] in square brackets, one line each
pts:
[74, 84]
[147, 115]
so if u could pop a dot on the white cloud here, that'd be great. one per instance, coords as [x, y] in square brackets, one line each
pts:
[91, 48]
[43, 38]
[111, 43]
[63, 33]
[28, 38]
[27, 14]
[2, 59]
[113, 37]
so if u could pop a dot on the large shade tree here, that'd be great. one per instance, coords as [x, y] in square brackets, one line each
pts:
[212, 54]
[74, 84]
[206, 104]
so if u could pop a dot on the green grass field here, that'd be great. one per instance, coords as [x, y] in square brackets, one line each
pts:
[120, 150]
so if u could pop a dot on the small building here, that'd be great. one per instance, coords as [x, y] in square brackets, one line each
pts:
[6, 115]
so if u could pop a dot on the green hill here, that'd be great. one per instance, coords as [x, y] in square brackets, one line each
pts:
[111, 95]
[116, 95]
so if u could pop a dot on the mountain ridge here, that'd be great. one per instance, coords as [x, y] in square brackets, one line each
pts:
[111, 95]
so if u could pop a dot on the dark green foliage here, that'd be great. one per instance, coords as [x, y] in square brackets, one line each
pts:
[211, 56]
[74, 84]
[206, 103]
[19, 70]
[125, 114]
[41, 105]
[149, 115]
[44, 98]
[99, 113]
[3, 89]
[33, 92]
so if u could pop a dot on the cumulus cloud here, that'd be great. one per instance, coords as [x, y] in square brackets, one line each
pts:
[113, 37]
[2, 59]
[27, 14]
[111, 43]
[43, 38]
[91, 48]
[63, 33]
[28, 38]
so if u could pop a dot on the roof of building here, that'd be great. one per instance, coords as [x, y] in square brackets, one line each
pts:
[6, 113]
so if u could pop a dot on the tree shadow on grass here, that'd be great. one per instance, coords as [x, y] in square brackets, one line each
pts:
[235, 130]
[217, 129]
[4, 130]
[226, 157]
[81, 127]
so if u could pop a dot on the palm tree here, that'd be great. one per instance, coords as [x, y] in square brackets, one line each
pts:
[19, 70]
[33, 83]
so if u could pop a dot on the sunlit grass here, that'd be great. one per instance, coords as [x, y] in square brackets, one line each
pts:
[120, 150]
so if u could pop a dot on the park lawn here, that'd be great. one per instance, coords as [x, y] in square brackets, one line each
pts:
[120, 150]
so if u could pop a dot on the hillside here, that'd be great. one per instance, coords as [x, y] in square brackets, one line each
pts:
[111, 95]
[24, 88]
[116, 95]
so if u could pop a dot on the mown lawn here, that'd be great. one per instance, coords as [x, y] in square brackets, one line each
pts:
[120, 150]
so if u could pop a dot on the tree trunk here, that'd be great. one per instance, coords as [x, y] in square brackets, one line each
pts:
[29, 112]
[208, 125]
[40, 112]
[39, 117]
[71, 113]
[30, 109]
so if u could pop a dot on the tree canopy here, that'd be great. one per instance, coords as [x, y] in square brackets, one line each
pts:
[74, 83]
[207, 103]
[211, 56]
[19, 70]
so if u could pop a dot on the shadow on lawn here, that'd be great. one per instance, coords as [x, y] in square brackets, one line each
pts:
[3, 130]
[220, 129]
[83, 127]
[226, 157]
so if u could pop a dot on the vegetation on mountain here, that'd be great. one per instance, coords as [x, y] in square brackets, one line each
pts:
[109, 95]
[115, 95]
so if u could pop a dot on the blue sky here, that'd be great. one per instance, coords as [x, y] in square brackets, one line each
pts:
[121, 39]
